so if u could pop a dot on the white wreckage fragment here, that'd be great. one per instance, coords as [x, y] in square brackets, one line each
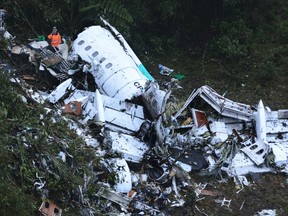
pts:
[119, 115]
[124, 201]
[277, 126]
[60, 91]
[113, 196]
[242, 165]
[280, 153]
[155, 99]
[219, 131]
[98, 105]
[88, 101]
[123, 116]
[38, 44]
[266, 212]
[3, 31]
[165, 70]
[132, 148]
[257, 151]
[221, 104]
[123, 175]
[128, 50]
[114, 71]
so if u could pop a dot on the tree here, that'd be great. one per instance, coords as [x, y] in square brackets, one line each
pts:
[78, 14]
[70, 15]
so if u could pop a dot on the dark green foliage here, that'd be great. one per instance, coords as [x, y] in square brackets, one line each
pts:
[70, 16]
[282, 31]
[30, 146]
[14, 201]
[267, 71]
[232, 40]
[106, 7]
[249, 38]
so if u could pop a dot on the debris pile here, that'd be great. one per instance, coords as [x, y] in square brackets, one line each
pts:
[107, 97]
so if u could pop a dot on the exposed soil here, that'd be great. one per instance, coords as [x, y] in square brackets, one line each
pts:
[266, 191]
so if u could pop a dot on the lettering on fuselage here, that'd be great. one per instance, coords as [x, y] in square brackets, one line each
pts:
[138, 86]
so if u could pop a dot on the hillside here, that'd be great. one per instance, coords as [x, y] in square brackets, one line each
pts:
[240, 50]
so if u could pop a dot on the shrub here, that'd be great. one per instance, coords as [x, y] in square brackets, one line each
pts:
[267, 71]
[282, 31]
[231, 40]
[13, 201]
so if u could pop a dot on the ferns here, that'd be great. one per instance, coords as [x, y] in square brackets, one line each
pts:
[105, 7]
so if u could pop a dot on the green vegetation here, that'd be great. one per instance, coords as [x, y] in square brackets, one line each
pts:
[234, 43]
[245, 37]
[30, 147]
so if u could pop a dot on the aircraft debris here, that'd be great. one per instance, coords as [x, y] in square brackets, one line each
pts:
[73, 107]
[123, 116]
[48, 208]
[3, 32]
[165, 70]
[114, 197]
[130, 147]
[59, 92]
[106, 71]
[123, 175]
[224, 202]
[266, 212]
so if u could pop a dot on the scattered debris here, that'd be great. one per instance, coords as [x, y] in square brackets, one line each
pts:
[48, 208]
[165, 70]
[224, 202]
[266, 212]
[121, 112]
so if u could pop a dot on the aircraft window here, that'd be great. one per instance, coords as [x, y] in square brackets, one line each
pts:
[88, 48]
[94, 54]
[102, 59]
[108, 65]
[81, 42]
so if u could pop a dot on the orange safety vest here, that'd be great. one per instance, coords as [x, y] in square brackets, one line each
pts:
[55, 39]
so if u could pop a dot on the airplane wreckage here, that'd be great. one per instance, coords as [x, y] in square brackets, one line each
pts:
[209, 133]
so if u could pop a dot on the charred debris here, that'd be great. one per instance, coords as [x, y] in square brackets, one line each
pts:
[140, 151]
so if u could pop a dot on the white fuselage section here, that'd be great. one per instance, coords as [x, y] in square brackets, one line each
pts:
[115, 72]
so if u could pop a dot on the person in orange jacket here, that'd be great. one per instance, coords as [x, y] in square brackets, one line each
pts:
[55, 38]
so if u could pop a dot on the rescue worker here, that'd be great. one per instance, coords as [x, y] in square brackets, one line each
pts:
[55, 38]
